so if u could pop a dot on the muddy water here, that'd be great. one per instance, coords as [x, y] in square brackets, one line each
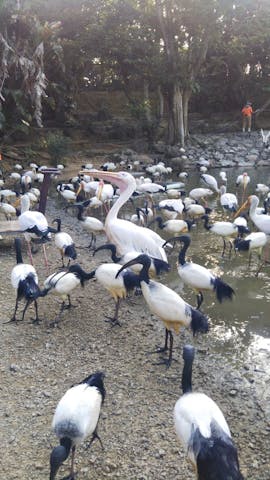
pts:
[240, 330]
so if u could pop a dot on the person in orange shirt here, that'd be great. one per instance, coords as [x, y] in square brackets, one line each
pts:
[247, 112]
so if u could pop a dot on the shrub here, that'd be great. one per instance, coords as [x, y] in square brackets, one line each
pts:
[57, 146]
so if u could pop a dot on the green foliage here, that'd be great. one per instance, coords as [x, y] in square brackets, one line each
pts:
[57, 146]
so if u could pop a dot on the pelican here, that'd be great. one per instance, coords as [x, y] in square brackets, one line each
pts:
[126, 235]
[262, 221]
[243, 180]
[203, 431]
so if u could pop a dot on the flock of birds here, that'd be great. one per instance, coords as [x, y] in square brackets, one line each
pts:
[138, 255]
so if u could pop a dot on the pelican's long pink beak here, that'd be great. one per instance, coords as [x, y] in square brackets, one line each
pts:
[242, 208]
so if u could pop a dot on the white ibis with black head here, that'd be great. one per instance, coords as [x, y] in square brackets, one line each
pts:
[25, 280]
[117, 283]
[173, 226]
[168, 306]
[63, 283]
[64, 243]
[34, 225]
[203, 431]
[76, 418]
[226, 230]
[198, 277]
[228, 201]
[156, 268]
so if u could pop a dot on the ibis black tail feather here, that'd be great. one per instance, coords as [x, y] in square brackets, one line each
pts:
[223, 290]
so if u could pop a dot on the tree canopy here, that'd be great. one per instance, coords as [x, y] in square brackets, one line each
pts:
[168, 57]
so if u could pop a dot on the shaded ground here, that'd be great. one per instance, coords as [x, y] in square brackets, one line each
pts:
[39, 363]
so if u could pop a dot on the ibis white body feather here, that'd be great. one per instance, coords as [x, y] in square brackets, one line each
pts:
[63, 240]
[77, 413]
[224, 229]
[92, 224]
[228, 201]
[105, 275]
[198, 193]
[196, 411]
[196, 276]
[166, 304]
[62, 283]
[20, 272]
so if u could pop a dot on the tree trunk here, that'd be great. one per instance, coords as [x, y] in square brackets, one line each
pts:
[161, 103]
[186, 98]
[147, 101]
[175, 116]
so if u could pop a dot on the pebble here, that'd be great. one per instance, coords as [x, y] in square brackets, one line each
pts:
[14, 368]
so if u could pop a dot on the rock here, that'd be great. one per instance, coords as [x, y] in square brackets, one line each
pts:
[14, 368]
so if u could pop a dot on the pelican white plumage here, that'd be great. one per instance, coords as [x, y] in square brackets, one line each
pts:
[122, 233]
[261, 221]
[198, 277]
[76, 417]
[203, 431]
[167, 305]
[243, 180]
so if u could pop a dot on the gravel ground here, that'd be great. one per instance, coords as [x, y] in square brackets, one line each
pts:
[39, 363]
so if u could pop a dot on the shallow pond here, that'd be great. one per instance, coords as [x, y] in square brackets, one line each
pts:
[239, 329]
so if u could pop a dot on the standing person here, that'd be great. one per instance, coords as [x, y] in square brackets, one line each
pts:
[247, 112]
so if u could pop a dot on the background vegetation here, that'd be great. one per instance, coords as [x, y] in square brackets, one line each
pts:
[166, 58]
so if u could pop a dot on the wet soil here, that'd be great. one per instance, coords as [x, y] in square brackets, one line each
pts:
[39, 363]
